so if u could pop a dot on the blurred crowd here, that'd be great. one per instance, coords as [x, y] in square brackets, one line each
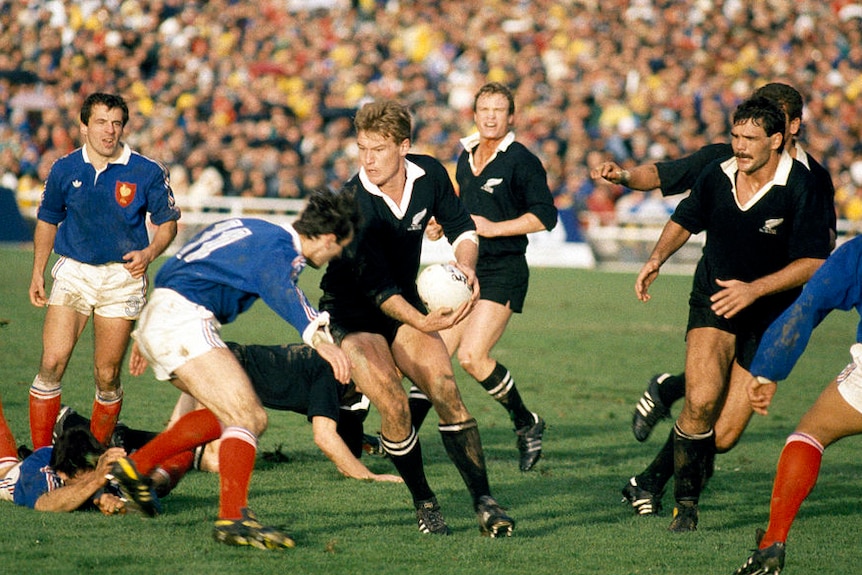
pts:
[256, 98]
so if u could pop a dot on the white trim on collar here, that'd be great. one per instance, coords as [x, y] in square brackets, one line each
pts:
[414, 172]
[123, 158]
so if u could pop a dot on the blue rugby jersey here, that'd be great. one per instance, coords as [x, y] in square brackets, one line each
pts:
[230, 264]
[102, 215]
[835, 285]
[36, 478]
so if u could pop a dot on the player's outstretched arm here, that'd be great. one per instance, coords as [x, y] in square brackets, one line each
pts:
[330, 443]
[644, 177]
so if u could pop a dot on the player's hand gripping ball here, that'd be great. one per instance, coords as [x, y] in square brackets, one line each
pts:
[443, 286]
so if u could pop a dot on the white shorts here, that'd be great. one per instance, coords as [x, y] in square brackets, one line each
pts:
[172, 330]
[8, 481]
[850, 380]
[108, 290]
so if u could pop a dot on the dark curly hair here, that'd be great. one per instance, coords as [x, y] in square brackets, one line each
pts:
[329, 212]
[76, 450]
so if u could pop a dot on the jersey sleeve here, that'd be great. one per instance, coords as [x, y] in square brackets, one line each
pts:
[835, 285]
[160, 197]
[679, 175]
[531, 177]
[811, 221]
[278, 289]
[36, 479]
[52, 208]
[690, 213]
[449, 210]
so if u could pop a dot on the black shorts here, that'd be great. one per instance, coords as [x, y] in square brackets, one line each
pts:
[748, 326]
[291, 377]
[342, 324]
[504, 280]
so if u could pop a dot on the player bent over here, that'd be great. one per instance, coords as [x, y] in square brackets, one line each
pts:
[219, 274]
[295, 378]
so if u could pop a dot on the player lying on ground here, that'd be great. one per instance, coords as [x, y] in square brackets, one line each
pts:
[295, 378]
[67, 476]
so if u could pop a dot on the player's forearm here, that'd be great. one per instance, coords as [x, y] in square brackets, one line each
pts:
[673, 237]
[71, 496]
[400, 309]
[467, 253]
[525, 224]
[162, 238]
[330, 443]
[644, 177]
[793, 275]
[43, 243]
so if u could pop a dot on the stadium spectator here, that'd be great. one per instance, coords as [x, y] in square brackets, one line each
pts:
[212, 68]
[93, 214]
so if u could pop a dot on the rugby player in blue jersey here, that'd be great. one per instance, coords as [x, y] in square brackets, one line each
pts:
[219, 274]
[93, 215]
[64, 477]
[836, 414]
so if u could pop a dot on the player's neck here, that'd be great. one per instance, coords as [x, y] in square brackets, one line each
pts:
[394, 187]
[484, 152]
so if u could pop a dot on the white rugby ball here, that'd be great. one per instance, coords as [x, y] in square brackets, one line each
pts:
[442, 286]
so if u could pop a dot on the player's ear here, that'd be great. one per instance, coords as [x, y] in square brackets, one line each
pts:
[776, 140]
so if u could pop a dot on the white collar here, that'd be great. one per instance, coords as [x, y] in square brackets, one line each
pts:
[123, 158]
[782, 173]
[414, 172]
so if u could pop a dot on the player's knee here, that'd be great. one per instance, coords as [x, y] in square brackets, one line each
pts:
[107, 377]
[52, 366]
[258, 420]
[725, 441]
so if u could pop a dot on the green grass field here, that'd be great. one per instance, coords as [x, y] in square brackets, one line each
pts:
[581, 355]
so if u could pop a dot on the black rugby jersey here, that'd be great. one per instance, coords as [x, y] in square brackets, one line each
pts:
[785, 223]
[512, 184]
[383, 258]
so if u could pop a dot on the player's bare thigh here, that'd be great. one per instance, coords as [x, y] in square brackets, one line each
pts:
[709, 354]
[60, 332]
[375, 374]
[218, 381]
[423, 358]
[831, 417]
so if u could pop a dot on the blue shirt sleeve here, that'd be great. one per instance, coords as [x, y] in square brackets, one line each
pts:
[835, 285]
